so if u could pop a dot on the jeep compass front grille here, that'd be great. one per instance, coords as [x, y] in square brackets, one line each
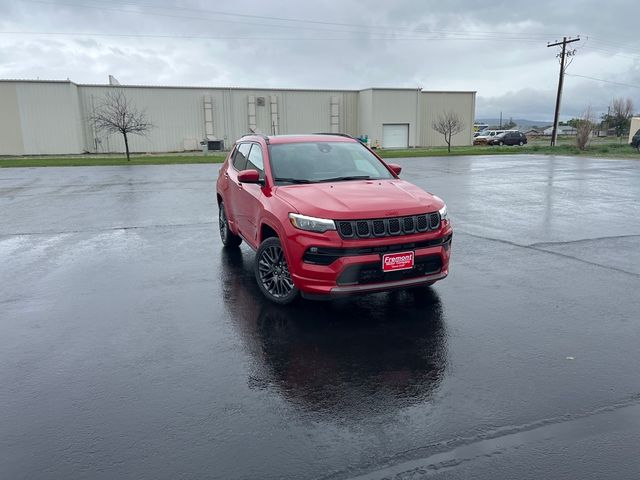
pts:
[387, 227]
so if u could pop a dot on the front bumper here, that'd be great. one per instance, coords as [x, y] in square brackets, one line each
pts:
[355, 266]
[377, 287]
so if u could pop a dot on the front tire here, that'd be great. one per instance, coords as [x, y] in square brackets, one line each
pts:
[521, 143]
[272, 273]
[229, 239]
[501, 144]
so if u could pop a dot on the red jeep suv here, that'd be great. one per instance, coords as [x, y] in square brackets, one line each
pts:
[328, 217]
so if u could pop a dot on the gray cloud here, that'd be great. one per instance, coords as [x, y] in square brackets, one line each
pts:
[498, 50]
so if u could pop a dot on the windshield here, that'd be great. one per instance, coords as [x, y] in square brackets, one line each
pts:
[312, 162]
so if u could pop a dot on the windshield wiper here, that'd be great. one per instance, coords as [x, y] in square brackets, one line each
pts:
[292, 180]
[348, 177]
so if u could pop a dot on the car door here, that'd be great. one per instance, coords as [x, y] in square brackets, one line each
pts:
[234, 201]
[250, 197]
[508, 138]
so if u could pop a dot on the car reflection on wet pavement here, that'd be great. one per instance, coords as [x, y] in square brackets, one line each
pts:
[329, 356]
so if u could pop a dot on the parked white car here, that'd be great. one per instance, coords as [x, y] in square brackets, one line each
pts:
[486, 135]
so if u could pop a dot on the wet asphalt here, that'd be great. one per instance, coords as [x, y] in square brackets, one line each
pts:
[133, 346]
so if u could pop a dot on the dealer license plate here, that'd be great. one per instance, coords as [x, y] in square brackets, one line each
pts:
[397, 261]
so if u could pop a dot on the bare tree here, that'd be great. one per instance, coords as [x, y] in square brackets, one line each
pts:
[117, 114]
[509, 125]
[448, 124]
[584, 128]
[619, 116]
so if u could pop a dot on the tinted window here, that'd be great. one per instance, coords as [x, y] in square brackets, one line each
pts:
[255, 158]
[240, 160]
[324, 161]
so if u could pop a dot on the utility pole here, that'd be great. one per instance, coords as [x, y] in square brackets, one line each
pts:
[563, 55]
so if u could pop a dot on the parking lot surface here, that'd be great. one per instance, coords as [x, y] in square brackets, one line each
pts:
[133, 346]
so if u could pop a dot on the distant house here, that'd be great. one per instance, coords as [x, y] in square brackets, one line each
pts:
[562, 130]
[534, 132]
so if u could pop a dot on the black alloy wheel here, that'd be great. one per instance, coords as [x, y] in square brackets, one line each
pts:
[272, 272]
[229, 239]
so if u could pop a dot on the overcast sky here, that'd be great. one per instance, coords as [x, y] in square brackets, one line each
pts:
[496, 48]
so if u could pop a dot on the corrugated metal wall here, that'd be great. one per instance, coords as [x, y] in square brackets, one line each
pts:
[47, 115]
[11, 142]
[394, 107]
[177, 115]
[434, 104]
[53, 117]
[365, 113]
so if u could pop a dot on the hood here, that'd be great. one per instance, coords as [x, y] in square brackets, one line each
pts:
[359, 199]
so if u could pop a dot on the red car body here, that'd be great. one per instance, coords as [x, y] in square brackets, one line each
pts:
[317, 262]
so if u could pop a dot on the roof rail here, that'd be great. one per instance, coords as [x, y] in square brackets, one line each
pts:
[336, 134]
[266, 139]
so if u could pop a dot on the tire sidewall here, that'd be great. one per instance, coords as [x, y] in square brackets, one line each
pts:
[293, 294]
[231, 240]
[221, 213]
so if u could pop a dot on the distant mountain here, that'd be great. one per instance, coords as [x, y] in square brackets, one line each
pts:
[520, 122]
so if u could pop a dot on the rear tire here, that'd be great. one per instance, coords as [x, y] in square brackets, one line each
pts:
[521, 143]
[272, 273]
[229, 239]
[501, 143]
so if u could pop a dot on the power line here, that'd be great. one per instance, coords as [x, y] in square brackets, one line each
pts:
[319, 22]
[240, 37]
[602, 80]
[611, 52]
[479, 35]
[348, 36]
[617, 45]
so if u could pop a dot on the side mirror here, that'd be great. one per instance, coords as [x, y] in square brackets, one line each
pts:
[395, 168]
[249, 176]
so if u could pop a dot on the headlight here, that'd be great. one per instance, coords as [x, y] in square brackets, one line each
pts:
[443, 213]
[311, 224]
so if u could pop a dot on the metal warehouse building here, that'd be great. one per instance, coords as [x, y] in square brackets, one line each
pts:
[51, 117]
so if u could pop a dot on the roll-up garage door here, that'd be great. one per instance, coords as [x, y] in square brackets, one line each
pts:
[395, 135]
